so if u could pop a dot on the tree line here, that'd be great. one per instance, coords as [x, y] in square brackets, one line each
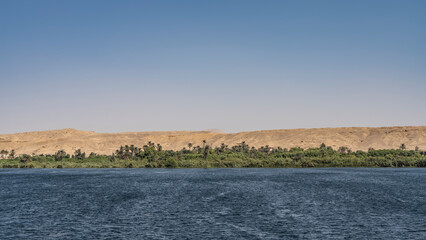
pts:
[153, 155]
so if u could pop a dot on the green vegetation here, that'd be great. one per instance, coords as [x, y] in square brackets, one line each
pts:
[242, 156]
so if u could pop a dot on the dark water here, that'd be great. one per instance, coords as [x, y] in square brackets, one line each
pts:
[213, 203]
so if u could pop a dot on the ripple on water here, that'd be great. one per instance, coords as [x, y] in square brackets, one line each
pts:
[213, 203]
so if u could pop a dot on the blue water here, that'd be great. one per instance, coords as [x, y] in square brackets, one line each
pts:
[341, 203]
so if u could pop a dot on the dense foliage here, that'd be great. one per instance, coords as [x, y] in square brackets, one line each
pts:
[241, 155]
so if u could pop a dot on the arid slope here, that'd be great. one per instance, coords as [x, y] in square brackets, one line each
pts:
[357, 138]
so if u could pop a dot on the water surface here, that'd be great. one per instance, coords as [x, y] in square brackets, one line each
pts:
[343, 203]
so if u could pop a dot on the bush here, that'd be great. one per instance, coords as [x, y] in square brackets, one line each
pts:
[171, 163]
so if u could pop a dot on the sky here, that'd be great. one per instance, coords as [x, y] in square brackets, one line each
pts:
[234, 65]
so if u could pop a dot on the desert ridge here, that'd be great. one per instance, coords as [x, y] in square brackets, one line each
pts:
[354, 138]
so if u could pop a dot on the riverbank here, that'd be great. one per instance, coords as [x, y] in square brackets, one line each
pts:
[107, 162]
[239, 156]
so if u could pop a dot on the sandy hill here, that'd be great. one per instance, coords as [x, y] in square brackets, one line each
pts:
[356, 138]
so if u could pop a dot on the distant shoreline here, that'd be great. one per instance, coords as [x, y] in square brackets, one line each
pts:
[241, 155]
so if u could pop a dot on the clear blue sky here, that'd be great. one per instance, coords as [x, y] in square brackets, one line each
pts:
[113, 66]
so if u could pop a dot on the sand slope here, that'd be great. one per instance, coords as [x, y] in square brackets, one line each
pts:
[357, 138]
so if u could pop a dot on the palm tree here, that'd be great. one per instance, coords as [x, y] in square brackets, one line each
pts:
[204, 143]
[244, 147]
[79, 155]
[252, 151]
[199, 149]
[12, 154]
[4, 153]
[223, 147]
[190, 146]
[342, 149]
[206, 152]
[60, 155]
[120, 152]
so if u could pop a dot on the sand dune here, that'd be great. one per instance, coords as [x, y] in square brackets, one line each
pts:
[356, 138]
